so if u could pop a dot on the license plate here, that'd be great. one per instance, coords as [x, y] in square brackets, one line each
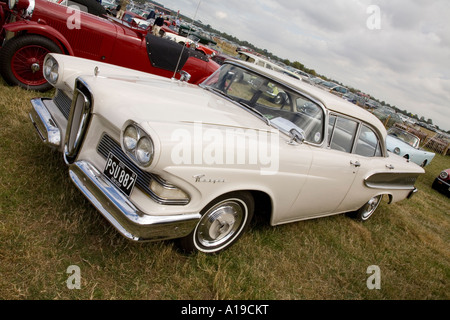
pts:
[120, 175]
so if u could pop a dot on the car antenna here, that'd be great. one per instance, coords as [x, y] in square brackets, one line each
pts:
[189, 32]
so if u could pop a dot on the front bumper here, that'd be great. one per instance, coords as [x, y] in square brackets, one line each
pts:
[124, 215]
[131, 222]
[49, 122]
[44, 123]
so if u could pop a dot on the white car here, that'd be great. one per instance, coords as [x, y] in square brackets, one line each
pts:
[163, 159]
[406, 144]
[263, 62]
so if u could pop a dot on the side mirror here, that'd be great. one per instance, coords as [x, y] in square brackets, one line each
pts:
[296, 136]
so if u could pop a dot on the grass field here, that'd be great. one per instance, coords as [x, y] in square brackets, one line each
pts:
[46, 226]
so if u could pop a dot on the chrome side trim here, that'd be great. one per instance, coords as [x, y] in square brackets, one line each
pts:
[131, 222]
[45, 124]
[389, 180]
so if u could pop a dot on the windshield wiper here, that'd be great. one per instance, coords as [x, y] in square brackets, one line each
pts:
[213, 89]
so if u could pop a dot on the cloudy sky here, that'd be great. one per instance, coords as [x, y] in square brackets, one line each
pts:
[397, 51]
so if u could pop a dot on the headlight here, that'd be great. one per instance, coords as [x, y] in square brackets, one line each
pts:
[144, 151]
[443, 175]
[397, 150]
[26, 5]
[130, 138]
[51, 69]
[11, 4]
[138, 145]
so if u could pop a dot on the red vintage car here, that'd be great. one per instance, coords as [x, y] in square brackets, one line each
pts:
[29, 29]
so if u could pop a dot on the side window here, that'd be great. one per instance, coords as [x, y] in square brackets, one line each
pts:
[368, 144]
[343, 134]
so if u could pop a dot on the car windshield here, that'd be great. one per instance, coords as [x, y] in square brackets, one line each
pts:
[405, 136]
[280, 105]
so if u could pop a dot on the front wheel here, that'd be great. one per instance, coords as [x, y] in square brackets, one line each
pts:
[22, 60]
[223, 222]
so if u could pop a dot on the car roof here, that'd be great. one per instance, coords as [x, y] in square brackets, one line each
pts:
[330, 101]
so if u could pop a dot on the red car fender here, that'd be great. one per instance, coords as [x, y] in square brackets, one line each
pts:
[43, 30]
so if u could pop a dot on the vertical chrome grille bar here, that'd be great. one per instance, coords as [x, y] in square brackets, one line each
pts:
[78, 120]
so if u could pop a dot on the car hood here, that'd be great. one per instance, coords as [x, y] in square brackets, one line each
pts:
[164, 100]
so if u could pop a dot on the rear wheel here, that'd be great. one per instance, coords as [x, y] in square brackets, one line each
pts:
[366, 211]
[223, 222]
[22, 59]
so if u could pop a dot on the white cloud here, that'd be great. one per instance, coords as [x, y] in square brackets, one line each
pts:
[221, 15]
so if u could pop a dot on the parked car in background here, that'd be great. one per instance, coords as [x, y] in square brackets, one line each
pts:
[315, 81]
[305, 76]
[135, 20]
[31, 29]
[162, 159]
[263, 62]
[354, 98]
[407, 145]
[387, 116]
[204, 38]
[191, 42]
[339, 90]
[327, 85]
[442, 182]
[220, 57]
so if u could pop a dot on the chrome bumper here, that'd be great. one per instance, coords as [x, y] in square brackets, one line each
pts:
[122, 214]
[44, 123]
[412, 192]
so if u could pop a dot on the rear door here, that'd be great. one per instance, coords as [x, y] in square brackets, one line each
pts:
[332, 173]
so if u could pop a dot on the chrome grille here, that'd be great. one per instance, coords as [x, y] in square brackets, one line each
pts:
[63, 102]
[78, 122]
[108, 144]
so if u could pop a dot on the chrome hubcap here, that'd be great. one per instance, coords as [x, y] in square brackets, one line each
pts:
[220, 223]
[371, 206]
[35, 67]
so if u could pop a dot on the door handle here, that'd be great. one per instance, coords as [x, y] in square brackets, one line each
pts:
[390, 166]
[355, 163]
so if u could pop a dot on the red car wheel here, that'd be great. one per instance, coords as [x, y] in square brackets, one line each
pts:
[21, 61]
[26, 65]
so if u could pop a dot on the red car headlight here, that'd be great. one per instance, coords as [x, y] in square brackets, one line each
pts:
[443, 175]
[26, 5]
